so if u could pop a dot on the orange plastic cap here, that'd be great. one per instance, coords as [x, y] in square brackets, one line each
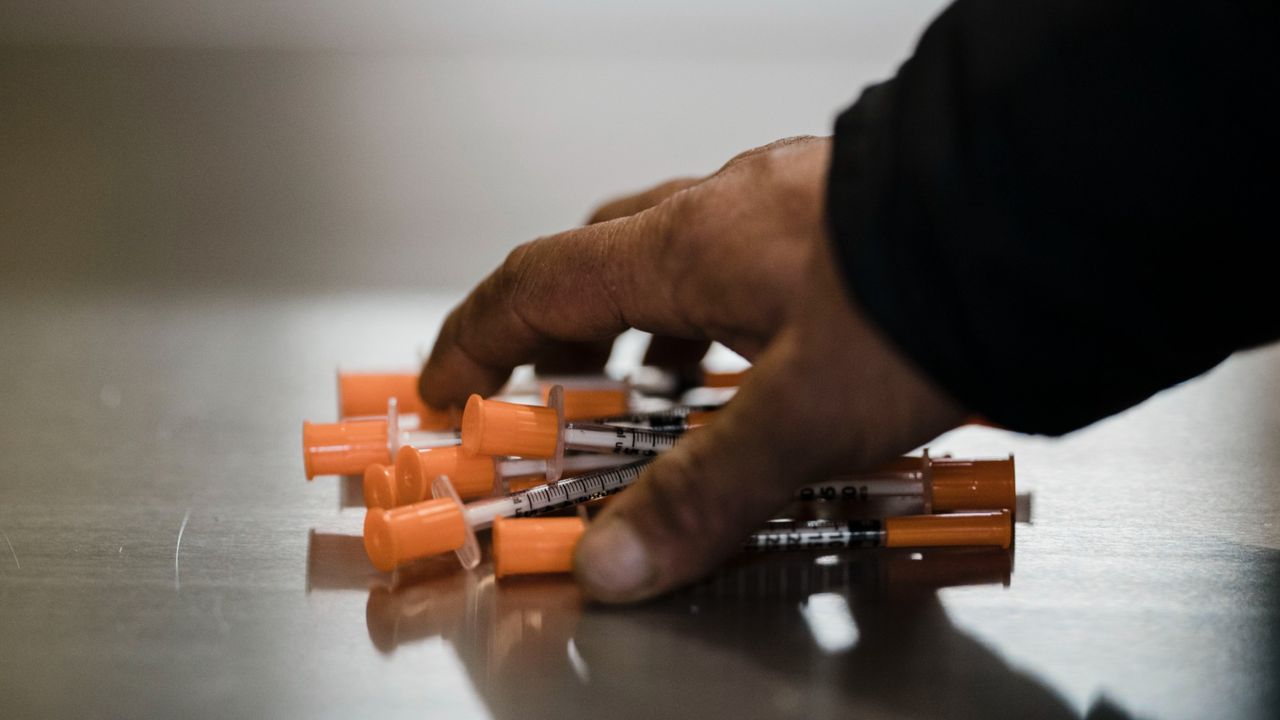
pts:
[698, 418]
[438, 420]
[471, 475]
[515, 485]
[723, 379]
[361, 393]
[978, 528]
[344, 448]
[491, 427]
[528, 546]
[589, 403]
[380, 486]
[393, 537]
[973, 485]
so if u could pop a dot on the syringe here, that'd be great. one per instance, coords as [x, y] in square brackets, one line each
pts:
[527, 546]
[586, 398]
[365, 395]
[348, 447]
[652, 380]
[398, 535]
[926, 483]
[437, 525]
[676, 419]
[930, 484]
[491, 427]
[473, 476]
[716, 388]
[994, 527]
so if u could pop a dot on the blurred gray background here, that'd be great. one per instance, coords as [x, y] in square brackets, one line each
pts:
[385, 144]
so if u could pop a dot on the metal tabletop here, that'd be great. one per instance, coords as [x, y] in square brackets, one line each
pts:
[162, 555]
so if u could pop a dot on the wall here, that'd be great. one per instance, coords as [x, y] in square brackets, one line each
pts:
[396, 144]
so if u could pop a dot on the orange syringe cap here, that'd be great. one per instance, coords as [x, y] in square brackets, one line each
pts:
[590, 402]
[344, 448]
[527, 546]
[520, 484]
[723, 379]
[380, 486]
[970, 528]
[366, 393]
[492, 427]
[416, 469]
[396, 536]
[974, 484]
[698, 418]
[438, 420]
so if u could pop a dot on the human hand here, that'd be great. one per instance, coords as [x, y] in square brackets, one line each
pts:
[743, 258]
[679, 355]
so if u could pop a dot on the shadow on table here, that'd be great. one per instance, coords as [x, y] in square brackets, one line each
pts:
[768, 636]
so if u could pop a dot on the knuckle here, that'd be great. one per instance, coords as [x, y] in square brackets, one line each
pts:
[673, 219]
[511, 280]
[680, 253]
[675, 215]
[737, 160]
[748, 156]
[671, 187]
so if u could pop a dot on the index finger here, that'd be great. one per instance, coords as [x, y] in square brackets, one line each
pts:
[586, 284]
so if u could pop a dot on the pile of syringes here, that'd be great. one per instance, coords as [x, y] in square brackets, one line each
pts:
[515, 463]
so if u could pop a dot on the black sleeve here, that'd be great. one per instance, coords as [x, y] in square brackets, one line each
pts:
[1057, 209]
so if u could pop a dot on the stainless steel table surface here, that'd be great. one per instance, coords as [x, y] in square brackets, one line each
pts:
[162, 555]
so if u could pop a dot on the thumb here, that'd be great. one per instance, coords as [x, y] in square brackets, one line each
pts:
[694, 505]
[797, 415]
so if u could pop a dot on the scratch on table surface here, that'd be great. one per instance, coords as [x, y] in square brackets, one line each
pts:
[177, 551]
[11, 550]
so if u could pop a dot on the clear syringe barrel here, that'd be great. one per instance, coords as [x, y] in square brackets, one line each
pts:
[539, 500]
[399, 434]
[473, 476]
[399, 535]
[510, 468]
[676, 419]
[905, 477]
[425, 439]
[968, 529]
[862, 488]
[803, 534]
[618, 440]
[491, 427]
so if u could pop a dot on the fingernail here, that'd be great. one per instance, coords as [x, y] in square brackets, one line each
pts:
[613, 563]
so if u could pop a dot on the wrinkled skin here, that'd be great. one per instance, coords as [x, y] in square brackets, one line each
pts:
[741, 257]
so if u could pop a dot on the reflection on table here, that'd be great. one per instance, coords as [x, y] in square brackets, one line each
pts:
[821, 631]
